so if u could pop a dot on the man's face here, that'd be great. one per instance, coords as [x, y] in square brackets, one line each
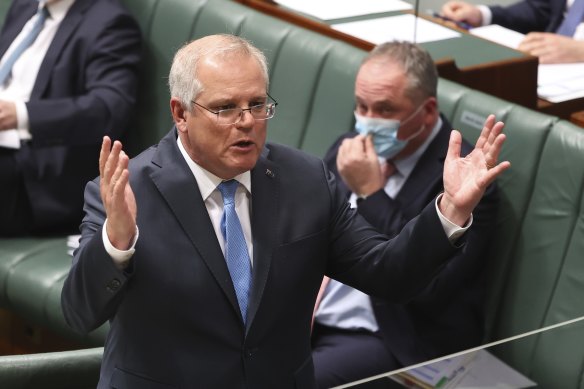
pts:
[380, 92]
[225, 150]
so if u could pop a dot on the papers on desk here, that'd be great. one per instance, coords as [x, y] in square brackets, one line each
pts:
[555, 83]
[337, 9]
[396, 28]
[475, 370]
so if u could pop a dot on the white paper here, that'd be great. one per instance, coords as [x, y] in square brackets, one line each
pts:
[10, 139]
[555, 82]
[498, 34]
[336, 9]
[486, 371]
[396, 28]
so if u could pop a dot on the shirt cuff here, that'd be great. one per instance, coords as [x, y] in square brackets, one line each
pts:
[121, 258]
[453, 231]
[22, 122]
[487, 14]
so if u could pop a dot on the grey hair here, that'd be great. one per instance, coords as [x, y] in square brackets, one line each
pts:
[417, 64]
[183, 80]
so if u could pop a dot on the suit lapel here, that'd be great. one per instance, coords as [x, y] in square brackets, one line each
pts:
[265, 184]
[13, 26]
[430, 165]
[177, 185]
[66, 28]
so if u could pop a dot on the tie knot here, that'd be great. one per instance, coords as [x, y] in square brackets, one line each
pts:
[227, 189]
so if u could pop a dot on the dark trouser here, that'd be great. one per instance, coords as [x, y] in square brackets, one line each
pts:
[15, 213]
[342, 356]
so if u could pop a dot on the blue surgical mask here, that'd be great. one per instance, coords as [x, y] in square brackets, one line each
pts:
[384, 132]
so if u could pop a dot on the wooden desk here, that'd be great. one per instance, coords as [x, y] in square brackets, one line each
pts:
[468, 60]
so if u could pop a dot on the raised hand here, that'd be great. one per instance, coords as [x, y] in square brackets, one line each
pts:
[116, 194]
[465, 179]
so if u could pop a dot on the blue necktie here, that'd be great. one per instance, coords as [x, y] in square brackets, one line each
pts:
[573, 19]
[6, 68]
[236, 253]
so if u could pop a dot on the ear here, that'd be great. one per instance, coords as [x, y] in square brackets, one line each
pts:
[430, 109]
[178, 114]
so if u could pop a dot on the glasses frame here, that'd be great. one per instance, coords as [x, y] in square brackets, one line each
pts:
[217, 113]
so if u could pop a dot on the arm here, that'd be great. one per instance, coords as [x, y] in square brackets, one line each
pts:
[88, 303]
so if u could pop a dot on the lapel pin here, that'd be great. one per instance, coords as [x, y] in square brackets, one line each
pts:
[269, 173]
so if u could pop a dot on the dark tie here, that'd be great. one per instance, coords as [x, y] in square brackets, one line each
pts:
[6, 68]
[236, 253]
[573, 19]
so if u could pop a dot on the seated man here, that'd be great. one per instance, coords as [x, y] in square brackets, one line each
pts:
[555, 32]
[68, 75]
[389, 168]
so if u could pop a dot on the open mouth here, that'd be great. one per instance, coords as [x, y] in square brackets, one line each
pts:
[244, 144]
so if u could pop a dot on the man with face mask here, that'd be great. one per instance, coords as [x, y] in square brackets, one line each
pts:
[390, 167]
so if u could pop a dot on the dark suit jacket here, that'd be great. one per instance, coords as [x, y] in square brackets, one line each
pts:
[173, 313]
[85, 89]
[530, 15]
[447, 316]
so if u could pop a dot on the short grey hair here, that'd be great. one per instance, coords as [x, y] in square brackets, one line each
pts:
[183, 80]
[417, 64]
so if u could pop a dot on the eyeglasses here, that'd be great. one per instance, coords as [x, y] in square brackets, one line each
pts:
[259, 111]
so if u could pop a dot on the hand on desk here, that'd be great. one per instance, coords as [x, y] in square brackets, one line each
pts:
[553, 48]
[459, 11]
[116, 194]
[465, 179]
[7, 115]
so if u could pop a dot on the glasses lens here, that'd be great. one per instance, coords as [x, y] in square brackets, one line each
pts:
[229, 116]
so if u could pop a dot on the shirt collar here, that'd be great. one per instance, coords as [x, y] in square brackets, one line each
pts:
[206, 180]
[58, 9]
[407, 164]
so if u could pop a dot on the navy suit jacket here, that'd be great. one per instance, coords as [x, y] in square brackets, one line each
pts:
[447, 316]
[530, 15]
[85, 89]
[173, 312]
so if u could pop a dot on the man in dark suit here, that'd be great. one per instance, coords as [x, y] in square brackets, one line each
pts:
[205, 253]
[72, 85]
[356, 336]
[548, 37]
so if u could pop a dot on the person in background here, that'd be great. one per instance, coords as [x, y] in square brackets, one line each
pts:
[554, 28]
[205, 253]
[389, 168]
[68, 75]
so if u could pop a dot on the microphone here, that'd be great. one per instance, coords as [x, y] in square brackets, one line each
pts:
[416, 10]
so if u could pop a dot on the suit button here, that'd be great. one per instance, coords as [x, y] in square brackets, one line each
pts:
[250, 352]
[113, 285]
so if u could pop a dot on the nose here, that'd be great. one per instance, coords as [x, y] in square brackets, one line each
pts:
[246, 119]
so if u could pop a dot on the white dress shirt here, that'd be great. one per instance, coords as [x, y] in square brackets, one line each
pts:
[19, 86]
[207, 183]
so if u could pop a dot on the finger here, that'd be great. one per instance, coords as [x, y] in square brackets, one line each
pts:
[111, 163]
[454, 145]
[106, 145]
[369, 148]
[492, 154]
[120, 166]
[484, 136]
[494, 172]
[122, 179]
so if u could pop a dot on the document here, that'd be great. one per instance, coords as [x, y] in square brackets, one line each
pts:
[555, 82]
[397, 28]
[337, 9]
